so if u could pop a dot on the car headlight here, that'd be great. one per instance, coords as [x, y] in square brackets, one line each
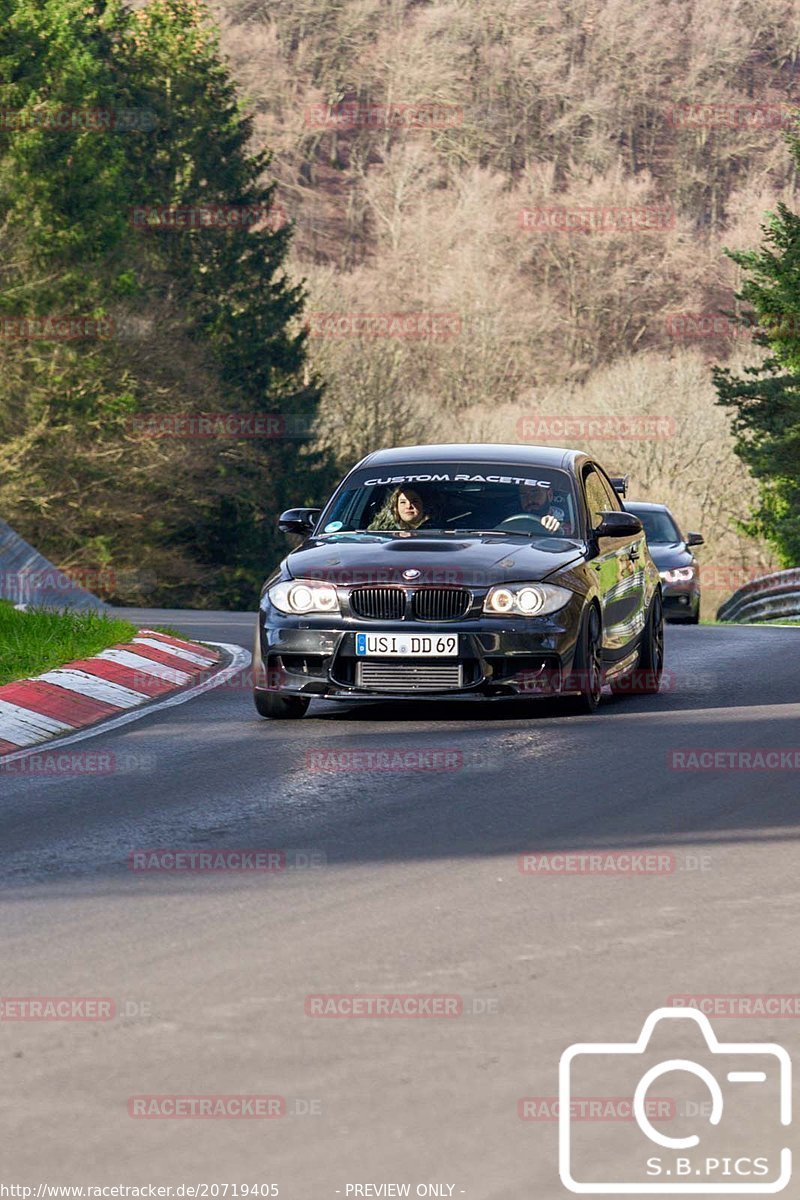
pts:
[298, 596]
[678, 575]
[525, 599]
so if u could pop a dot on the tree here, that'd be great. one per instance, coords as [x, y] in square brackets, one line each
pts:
[197, 319]
[765, 399]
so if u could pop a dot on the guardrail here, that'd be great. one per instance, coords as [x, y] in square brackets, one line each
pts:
[27, 578]
[766, 599]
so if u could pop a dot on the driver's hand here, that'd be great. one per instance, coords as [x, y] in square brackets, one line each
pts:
[550, 523]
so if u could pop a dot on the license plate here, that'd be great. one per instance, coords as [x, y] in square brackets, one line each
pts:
[406, 645]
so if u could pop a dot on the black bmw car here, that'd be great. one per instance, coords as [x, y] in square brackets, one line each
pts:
[461, 571]
[672, 554]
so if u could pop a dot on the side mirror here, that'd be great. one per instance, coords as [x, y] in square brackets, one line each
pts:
[695, 539]
[618, 525]
[299, 520]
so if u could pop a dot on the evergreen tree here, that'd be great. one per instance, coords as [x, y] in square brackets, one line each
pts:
[198, 319]
[765, 400]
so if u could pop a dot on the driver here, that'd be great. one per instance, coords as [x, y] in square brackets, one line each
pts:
[538, 502]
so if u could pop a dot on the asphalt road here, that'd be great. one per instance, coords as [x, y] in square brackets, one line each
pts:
[413, 887]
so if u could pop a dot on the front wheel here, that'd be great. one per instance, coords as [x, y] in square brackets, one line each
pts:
[645, 679]
[587, 670]
[280, 708]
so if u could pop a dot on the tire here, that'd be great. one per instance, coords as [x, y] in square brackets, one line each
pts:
[588, 665]
[645, 678]
[275, 707]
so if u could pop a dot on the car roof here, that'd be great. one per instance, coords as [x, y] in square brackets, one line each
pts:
[540, 456]
[647, 506]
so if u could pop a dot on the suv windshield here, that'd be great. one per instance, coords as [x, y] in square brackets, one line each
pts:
[450, 496]
[658, 524]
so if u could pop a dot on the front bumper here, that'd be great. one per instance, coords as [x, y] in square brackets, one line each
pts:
[681, 600]
[499, 658]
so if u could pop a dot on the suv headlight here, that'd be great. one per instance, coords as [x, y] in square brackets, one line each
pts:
[525, 599]
[298, 596]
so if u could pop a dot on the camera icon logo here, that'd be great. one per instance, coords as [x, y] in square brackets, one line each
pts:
[714, 1161]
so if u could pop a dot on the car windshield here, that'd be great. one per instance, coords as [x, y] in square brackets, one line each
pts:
[658, 524]
[455, 496]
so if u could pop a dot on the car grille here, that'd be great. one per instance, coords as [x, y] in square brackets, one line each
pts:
[409, 677]
[379, 603]
[441, 604]
[428, 604]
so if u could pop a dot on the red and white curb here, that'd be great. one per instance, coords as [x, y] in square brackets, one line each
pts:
[104, 689]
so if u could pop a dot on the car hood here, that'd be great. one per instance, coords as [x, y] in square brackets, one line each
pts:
[669, 555]
[476, 560]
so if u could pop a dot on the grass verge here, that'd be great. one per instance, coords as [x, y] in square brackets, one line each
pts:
[750, 624]
[38, 640]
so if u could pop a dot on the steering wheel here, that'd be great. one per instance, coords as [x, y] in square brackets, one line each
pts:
[523, 523]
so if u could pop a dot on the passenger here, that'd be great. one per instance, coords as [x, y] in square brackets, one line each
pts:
[405, 509]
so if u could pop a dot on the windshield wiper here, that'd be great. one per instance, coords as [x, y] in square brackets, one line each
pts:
[495, 532]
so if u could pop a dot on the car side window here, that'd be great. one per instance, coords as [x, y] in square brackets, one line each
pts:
[612, 498]
[596, 498]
